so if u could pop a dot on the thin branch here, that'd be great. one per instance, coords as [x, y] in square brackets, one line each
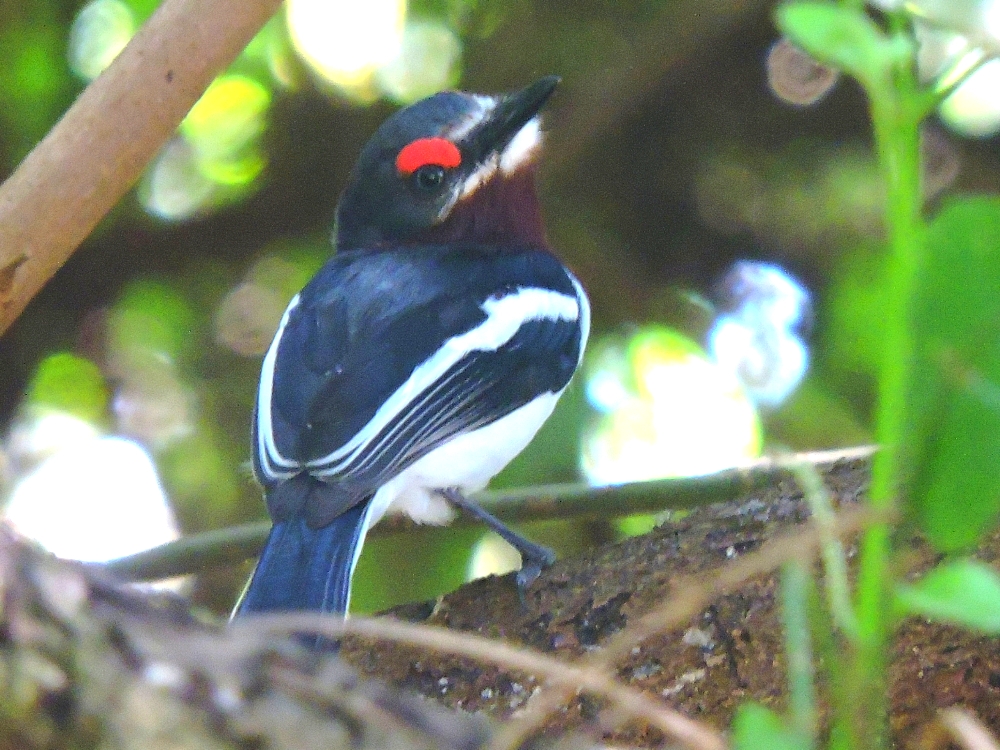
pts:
[560, 501]
[968, 730]
[627, 700]
[97, 151]
[593, 671]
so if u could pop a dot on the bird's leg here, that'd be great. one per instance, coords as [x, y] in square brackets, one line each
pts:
[534, 557]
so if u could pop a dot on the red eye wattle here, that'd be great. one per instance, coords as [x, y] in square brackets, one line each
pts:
[423, 151]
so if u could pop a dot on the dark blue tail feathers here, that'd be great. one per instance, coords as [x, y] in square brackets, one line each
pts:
[302, 568]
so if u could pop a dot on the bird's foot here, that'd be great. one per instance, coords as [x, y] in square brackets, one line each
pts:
[532, 566]
[534, 557]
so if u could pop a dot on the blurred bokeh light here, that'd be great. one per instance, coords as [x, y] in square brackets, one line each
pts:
[974, 108]
[173, 187]
[346, 42]
[664, 409]
[95, 499]
[99, 32]
[224, 128]
[491, 555]
[759, 335]
[215, 156]
[427, 61]
[78, 492]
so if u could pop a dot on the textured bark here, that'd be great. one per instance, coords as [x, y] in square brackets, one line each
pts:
[732, 651]
[86, 663]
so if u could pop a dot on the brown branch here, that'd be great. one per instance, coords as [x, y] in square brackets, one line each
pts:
[97, 151]
[594, 671]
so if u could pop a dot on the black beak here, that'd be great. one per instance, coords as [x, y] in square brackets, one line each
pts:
[512, 112]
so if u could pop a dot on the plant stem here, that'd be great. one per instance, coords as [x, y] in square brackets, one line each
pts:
[837, 585]
[795, 588]
[896, 120]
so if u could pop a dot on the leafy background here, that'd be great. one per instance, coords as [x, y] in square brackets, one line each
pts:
[670, 157]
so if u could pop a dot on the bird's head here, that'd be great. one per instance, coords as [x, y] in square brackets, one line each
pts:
[454, 166]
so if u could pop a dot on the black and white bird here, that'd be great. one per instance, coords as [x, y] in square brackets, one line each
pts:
[424, 355]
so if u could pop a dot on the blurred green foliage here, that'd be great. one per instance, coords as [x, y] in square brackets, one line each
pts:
[34, 77]
[954, 407]
[667, 159]
[65, 382]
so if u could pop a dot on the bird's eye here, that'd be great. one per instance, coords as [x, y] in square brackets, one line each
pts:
[429, 177]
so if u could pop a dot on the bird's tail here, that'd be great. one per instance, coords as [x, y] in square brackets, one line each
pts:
[302, 568]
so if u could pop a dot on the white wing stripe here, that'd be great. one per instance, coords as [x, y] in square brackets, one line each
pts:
[267, 450]
[346, 468]
[504, 316]
[581, 297]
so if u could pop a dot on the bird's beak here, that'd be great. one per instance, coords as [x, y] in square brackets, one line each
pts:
[510, 114]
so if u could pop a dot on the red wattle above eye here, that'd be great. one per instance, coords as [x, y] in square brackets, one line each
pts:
[438, 151]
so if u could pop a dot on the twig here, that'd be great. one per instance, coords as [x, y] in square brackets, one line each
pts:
[236, 544]
[796, 587]
[95, 153]
[967, 730]
[627, 700]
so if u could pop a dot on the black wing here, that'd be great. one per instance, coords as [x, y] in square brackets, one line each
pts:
[385, 356]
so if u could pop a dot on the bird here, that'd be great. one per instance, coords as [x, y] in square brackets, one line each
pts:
[424, 355]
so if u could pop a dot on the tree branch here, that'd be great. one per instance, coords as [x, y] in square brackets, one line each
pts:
[97, 151]
[558, 501]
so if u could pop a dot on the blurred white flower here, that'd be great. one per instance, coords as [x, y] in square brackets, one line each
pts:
[758, 336]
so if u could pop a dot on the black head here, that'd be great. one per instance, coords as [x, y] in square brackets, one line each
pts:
[452, 166]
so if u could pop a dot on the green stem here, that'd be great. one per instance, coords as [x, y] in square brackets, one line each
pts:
[896, 120]
[837, 585]
[795, 588]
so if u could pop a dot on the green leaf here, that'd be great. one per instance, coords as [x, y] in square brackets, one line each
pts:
[845, 38]
[69, 383]
[965, 592]
[953, 436]
[756, 727]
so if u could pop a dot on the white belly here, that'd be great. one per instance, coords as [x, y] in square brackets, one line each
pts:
[467, 462]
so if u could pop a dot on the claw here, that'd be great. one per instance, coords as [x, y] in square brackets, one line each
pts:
[534, 557]
[531, 567]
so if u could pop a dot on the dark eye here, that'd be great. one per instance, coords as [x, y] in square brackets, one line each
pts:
[429, 177]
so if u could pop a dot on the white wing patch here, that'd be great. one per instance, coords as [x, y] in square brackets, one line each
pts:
[581, 297]
[272, 462]
[505, 315]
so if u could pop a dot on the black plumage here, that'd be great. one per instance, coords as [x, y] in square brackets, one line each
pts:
[394, 369]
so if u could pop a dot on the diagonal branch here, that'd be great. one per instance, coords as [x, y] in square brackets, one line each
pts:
[97, 151]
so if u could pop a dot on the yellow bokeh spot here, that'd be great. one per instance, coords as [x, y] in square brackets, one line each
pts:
[345, 41]
[68, 383]
[678, 414]
[224, 128]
